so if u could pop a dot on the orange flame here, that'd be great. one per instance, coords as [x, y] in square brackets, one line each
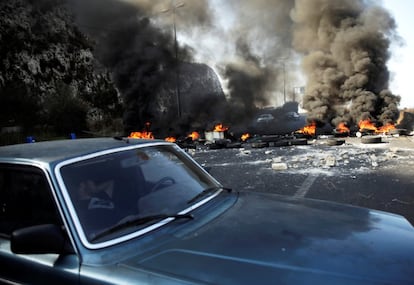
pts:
[368, 125]
[220, 128]
[170, 139]
[308, 130]
[342, 128]
[145, 134]
[385, 129]
[194, 136]
[141, 135]
[244, 137]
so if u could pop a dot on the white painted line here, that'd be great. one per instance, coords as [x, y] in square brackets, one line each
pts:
[306, 185]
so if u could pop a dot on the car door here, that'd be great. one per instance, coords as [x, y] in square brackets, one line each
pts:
[26, 200]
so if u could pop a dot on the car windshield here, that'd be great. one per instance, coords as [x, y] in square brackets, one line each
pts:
[157, 180]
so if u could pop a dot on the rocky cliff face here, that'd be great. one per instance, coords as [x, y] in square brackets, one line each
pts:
[190, 97]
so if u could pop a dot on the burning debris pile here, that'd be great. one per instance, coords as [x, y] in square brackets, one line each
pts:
[221, 136]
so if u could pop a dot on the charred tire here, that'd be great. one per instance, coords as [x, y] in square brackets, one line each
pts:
[273, 138]
[214, 146]
[222, 142]
[259, 144]
[299, 142]
[401, 132]
[333, 142]
[371, 139]
[234, 145]
[279, 143]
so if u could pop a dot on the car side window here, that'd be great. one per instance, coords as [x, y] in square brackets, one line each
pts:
[25, 199]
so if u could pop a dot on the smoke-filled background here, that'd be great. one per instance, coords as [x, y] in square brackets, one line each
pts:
[346, 47]
[260, 50]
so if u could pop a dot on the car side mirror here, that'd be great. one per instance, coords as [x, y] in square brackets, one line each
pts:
[39, 239]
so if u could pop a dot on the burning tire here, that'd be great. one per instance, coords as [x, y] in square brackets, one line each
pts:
[371, 139]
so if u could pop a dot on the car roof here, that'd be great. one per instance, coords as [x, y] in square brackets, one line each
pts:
[50, 151]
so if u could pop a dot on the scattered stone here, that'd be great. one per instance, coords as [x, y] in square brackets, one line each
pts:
[277, 159]
[330, 161]
[279, 166]
[374, 161]
[191, 151]
[245, 151]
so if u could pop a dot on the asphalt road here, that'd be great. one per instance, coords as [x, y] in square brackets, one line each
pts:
[377, 176]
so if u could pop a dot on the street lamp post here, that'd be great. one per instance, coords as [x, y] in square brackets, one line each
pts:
[282, 61]
[173, 8]
[284, 83]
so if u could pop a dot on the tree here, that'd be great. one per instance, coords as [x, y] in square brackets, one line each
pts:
[65, 112]
[42, 50]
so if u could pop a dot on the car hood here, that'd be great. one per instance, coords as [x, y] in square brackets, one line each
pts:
[270, 239]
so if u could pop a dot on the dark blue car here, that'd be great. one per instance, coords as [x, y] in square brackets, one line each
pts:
[129, 211]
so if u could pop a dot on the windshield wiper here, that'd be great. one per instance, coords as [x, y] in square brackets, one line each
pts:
[207, 192]
[136, 221]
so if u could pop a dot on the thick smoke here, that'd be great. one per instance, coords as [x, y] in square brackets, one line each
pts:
[188, 13]
[138, 54]
[346, 48]
[260, 42]
[247, 82]
[255, 47]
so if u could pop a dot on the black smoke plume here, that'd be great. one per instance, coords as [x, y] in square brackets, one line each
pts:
[247, 83]
[139, 55]
[346, 49]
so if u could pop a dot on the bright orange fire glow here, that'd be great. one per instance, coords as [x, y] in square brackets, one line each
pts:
[170, 139]
[244, 137]
[308, 130]
[385, 129]
[141, 135]
[342, 128]
[145, 134]
[368, 125]
[194, 136]
[220, 128]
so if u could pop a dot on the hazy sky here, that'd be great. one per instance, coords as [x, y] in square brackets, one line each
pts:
[212, 48]
[402, 61]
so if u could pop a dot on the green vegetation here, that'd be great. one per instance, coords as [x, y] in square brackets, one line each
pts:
[50, 85]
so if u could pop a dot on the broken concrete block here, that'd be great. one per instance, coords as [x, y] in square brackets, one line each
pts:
[277, 159]
[279, 166]
[330, 161]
